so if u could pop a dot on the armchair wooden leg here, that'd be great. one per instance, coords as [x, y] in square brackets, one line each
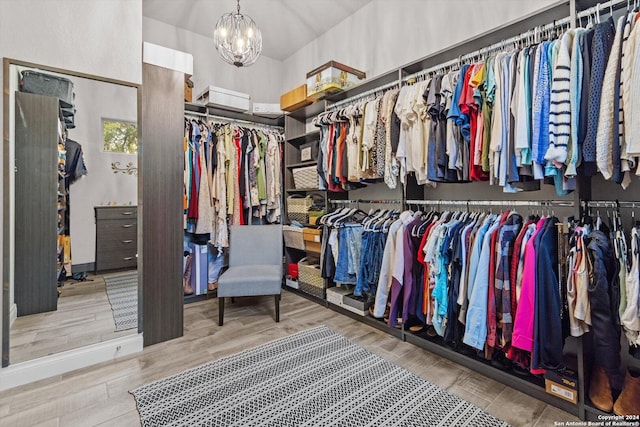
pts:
[220, 310]
[277, 300]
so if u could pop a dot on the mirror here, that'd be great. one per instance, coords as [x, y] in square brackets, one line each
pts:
[70, 207]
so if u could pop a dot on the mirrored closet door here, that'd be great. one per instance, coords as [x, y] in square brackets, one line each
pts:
[70, 236]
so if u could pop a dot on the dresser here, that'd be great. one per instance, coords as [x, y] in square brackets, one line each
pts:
[116, 237]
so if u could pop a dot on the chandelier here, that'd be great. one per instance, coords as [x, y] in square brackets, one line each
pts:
[238, 39]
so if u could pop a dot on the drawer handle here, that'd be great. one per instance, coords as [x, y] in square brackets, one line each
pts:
[126, 213]
[129, 258]
[127, 226]
[127, 241]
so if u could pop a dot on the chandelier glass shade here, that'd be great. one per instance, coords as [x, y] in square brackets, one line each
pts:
[237, 38]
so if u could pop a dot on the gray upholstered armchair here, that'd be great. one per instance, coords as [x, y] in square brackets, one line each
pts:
[255, 265]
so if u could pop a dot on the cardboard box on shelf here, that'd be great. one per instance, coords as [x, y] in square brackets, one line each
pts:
[294, 99]
[266, 110]
[312, 239]
[213, 96]
[562, 384]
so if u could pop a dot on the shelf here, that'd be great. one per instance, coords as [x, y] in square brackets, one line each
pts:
[232, 115]
[302, 164]
[303, 190]
[309, 111]
[307, 137]
[306, 295]
[188, 299]
[368, 320]
[594, 414]
[369, 84]
[530, 386]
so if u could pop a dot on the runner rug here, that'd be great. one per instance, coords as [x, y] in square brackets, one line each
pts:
[122, 291]
[312, 378]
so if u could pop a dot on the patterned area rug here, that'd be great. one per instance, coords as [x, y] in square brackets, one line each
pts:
[312, 378]
[122, 291]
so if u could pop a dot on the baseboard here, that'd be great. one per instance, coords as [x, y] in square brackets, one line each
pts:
[90, 266]
[57, 364]
[13, 314]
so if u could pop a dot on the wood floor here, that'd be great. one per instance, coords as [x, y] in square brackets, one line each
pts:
[99, 395]
[83, 317]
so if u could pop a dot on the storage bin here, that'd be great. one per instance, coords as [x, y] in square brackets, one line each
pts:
[293, 237]
[38, 83]
[305, 177]
[213, 96]
[312, 239]
[298, 208]
[291, 283]
[335, 294]
[294, 99]
[266, 110]
[309, 151]
[310, 279]
[331, 77]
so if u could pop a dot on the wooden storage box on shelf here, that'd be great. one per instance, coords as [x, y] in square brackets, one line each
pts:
[294, 99]
[312, 239]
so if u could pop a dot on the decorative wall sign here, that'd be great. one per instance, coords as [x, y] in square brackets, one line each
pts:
[129, 169]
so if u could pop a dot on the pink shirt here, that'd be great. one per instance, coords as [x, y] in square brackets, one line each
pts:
[523, 324]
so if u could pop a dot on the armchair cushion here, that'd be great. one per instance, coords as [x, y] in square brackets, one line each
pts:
[250, 280]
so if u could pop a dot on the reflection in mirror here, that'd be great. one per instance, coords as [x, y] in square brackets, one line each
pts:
[73, 192]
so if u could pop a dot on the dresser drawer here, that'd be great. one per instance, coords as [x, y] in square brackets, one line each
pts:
[117, 228]
[116, 212]
[116, 260]
[116, 237]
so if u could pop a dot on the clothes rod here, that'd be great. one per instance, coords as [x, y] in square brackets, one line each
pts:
[602, 6]
[566, 203]
[610, 204]
[356, 98]
[226, 120]
[373, 202]
[491, 48]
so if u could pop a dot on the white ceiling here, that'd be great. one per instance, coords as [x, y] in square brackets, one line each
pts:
[286, 25]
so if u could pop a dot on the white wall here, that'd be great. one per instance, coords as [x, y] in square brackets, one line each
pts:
[262, 80]
[101, 37]
[95, 101]
[386, 34]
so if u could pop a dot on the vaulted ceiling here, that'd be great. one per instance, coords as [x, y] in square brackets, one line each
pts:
[286, 25]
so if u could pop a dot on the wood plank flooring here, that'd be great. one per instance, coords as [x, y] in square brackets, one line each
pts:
[83, 317]
[98, 396]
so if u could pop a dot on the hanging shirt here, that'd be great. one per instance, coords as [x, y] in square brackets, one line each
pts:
[601, 46]
[560, 112]
[523, 328]
[607, 142]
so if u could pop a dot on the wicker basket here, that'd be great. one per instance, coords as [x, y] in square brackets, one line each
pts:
[305, 177]
[310, 279]
[298, 209]
[293, 237]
